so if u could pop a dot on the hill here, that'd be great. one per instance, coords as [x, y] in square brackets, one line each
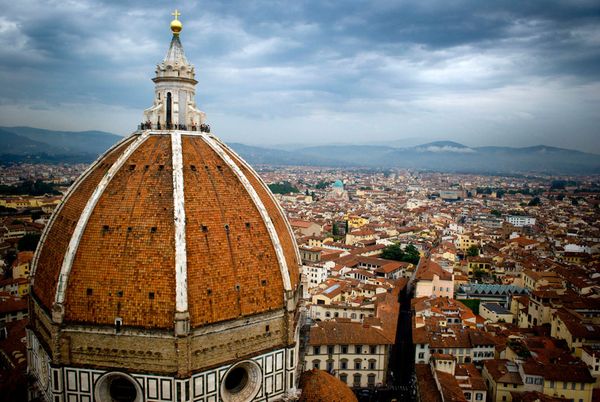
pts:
[38, 145]
[64, 142]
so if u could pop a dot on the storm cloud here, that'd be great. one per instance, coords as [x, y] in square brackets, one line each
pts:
[276, 72]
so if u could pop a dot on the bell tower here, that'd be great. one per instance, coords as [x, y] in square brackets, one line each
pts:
[174, 104]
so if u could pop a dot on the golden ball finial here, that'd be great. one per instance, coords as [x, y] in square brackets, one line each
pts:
[176, 25]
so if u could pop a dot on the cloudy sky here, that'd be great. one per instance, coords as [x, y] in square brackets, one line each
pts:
[479, 72]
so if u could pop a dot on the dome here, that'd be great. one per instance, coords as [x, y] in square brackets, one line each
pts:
[168, 272]
[338, 184]
[117, 247]
[319, 386]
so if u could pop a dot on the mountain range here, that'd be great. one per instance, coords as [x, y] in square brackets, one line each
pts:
[34, 144]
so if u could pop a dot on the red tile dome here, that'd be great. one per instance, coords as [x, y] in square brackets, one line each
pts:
[166, 222]
[319, 386]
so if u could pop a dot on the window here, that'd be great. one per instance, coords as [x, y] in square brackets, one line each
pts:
[372, 364]
[468, 396]
[421, 355]
[316, 364]
[357, 364]
[371, 380]
[503, 397]
[344, 364]
[573, 385]
[316, 350]
[373, 350]
[330, 366]
[344, 348]
[356, 382]
[479, 396]
[330, 350]
[358, 349]
[344, 378]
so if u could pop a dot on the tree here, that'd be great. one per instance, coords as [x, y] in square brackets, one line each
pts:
[393, 252]
[495, 212]
[285, 187]
[535, 201]
[473, 251]
[412, 254]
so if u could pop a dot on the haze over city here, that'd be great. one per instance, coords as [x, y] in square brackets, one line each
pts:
[480, 73]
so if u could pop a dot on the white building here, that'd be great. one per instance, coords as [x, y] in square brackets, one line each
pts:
[355, 353]
[520, 221]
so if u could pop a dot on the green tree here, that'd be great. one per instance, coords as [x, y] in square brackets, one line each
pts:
[473, 251]
[393, 252]
[284, 187]
[535, 201]
[323, 184]
[412, 254]
[495, 212]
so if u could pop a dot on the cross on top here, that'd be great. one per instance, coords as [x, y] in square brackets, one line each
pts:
[176, 14]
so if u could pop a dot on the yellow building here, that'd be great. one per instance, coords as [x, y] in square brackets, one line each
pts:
[502, 377]
[480, 264]
[465, 241]
[22, 264]
[356, 221]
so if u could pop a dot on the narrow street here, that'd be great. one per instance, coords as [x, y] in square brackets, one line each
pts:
[402, 362]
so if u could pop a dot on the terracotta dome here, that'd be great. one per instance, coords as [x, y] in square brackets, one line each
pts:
[319, 386]
[169, 271]
[115, 248]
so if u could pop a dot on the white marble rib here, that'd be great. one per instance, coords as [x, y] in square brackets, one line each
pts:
[58, 209]
[181, 294]
[67, 264]
[285, 274]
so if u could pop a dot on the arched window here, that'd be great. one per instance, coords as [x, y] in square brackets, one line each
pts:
[169, 113]
[356, 382]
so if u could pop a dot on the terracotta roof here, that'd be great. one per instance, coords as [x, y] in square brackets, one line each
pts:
[428, 269]
[124, 263]
[13, 347]
[342, 332]
[301, 224]
[428, 390]
[12, 304]
[451, 391]
[502, 370]
[318, 386]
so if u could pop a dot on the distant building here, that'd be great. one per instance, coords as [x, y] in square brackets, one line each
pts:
[494, 312]
[520, 221]
[433, 280]
[452, 195]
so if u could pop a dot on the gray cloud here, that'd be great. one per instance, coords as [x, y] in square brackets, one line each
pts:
[483, 73]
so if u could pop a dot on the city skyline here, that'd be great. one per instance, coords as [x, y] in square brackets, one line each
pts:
[273, 73]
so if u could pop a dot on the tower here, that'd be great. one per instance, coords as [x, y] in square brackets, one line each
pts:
[169, 271]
